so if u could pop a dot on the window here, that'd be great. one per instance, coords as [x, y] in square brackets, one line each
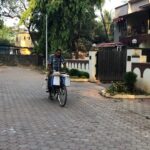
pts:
[24, 38]
[28, 38]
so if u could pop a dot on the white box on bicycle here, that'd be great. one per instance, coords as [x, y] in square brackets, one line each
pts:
[65, 79]
[56, 80]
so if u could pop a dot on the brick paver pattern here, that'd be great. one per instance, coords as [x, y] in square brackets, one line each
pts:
[30, 121]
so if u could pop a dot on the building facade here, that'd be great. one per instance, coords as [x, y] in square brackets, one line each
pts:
[132, 23]
[23, 40]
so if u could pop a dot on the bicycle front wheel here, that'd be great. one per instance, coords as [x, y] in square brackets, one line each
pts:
[52, 94]
[62, 96]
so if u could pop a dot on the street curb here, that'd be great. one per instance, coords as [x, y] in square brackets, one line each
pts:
[79, 80]
[121, 96]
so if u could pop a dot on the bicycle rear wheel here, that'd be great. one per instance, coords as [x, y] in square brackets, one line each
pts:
[62, 96]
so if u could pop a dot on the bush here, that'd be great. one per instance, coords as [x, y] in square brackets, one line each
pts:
[130, 79]
[84, 74]
[117, 87]
[77, 73]
[74, 72]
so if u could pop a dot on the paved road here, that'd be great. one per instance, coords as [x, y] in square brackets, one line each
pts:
[30, 121]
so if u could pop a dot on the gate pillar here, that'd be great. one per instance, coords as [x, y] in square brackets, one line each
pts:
[92, 65]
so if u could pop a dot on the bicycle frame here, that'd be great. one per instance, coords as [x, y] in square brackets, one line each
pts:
[60, 92]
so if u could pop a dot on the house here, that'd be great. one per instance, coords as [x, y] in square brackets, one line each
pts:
[132, 23]
[132, 27]
[23, 40]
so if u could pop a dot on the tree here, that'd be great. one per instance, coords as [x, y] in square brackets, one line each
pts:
[13, 9]
[68, 22]
[108, 22]
[6, 35]
[19, 10]
[99, 4]
[1, 23]
[99, 33]
[27, 17]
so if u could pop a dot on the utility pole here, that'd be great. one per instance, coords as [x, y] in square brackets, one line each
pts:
[46, 46]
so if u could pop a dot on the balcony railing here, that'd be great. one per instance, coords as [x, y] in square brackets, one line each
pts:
[128, 39]
[135, 31]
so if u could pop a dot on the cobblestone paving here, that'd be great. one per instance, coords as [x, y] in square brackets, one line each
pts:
[30, 121]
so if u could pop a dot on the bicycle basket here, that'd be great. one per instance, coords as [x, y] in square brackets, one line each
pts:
[65, 79]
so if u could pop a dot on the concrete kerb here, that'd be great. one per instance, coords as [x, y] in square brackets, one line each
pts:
[123, 96]
[79, 80]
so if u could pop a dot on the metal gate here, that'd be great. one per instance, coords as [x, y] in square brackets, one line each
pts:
[111, 64]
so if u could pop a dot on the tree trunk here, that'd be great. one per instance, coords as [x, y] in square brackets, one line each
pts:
[74, 47]
[32, 39]
[104, 24]
[77, 51]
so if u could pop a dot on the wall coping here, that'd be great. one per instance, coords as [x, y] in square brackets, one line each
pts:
[77, 60]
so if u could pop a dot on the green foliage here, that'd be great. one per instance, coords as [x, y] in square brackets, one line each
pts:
[84, 74]
[71, 23]
[23, 10]
[109, 23]
[74, 72]
[124, 87]
[4, 42]
[6, 35]
[66, 54]
[1, 23]
[117, 87]
[130, 79]
[77, 73]
[27, 14]
[99, 33]
[99, 4]
[67, 21]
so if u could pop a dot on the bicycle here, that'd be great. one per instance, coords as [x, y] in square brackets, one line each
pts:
[57, 87]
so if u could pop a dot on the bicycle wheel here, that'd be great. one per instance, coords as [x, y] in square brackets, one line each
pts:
[62, 96]
[52, 93]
